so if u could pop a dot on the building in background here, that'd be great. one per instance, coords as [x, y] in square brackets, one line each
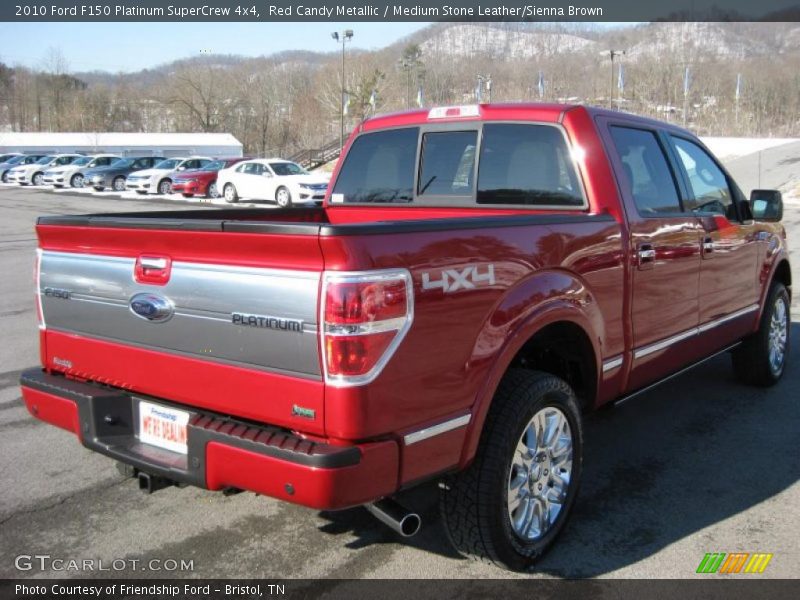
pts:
[218, 145]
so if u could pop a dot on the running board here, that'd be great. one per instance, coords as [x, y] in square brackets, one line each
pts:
[673, 375]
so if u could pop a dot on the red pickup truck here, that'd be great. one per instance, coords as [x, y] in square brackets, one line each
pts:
[478, 278]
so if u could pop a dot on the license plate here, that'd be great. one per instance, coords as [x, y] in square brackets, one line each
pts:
[163, 427]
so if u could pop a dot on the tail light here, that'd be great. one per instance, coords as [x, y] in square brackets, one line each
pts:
[37, 268]
[364, 317]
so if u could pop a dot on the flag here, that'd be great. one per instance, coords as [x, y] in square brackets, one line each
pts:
[420, 99]
[738, 86]
[621, 79]
[541, 84]
[686, 81]
[373, 99]
[345, 103]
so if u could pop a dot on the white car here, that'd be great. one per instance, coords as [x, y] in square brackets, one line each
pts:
[158, 180]
[275, 179]
[72, 174]
[33, 173]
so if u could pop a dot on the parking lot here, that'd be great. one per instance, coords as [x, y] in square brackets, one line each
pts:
[699, 465]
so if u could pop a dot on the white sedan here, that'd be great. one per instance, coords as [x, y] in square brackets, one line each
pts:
[33, 173]
[72, 174]
[275, 179]
[158, 180]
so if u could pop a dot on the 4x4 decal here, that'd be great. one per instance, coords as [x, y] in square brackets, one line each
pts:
[451, 280]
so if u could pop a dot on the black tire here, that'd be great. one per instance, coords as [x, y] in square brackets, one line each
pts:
[164, 187]
[751, 360]
[283, 197]
[76, 180]
[37, 179]
[230, 194]
[212, 191]
[473, 503]
[5, 177]
[187, 195]
[118, 185]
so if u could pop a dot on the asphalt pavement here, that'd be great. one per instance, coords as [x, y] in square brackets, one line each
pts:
[701, 464]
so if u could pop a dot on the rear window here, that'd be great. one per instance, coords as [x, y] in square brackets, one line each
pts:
[379, 168]
[527, 165]
[448, 161]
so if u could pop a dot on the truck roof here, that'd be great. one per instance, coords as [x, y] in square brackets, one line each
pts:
[511, 111]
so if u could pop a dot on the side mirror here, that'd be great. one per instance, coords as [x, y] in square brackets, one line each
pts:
[766, 205]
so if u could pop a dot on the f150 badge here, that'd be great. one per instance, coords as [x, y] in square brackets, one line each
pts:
[451, 280]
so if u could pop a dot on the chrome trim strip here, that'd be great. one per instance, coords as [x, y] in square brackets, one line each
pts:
[612, 363]
[184, 353]
[734, 315]
[666, 343]
[429, 432]
[647, 350]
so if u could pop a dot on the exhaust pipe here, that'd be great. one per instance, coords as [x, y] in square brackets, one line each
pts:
[152, 483]
[399, 518]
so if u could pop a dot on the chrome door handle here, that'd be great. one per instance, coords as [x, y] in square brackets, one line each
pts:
[647, 256]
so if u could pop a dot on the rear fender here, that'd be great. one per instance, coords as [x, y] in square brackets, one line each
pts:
[546, 298]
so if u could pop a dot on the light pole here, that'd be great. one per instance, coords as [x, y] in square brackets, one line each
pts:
[613, 54]
[485, 81]
[343, 37]
[407, 65]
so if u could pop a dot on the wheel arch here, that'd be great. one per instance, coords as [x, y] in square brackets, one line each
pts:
[563, 336]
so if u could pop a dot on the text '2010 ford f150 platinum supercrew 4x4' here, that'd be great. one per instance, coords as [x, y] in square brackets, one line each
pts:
[477, 279]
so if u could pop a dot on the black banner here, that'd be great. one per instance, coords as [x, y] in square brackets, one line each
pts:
[400, 10]
[712, 588]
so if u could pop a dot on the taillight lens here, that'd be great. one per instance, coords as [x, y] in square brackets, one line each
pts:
[38, 298]
[364, 318]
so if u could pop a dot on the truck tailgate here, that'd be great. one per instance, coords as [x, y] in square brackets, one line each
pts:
[228, 324]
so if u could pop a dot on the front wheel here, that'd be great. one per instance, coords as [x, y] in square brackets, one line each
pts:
[38, 179]
[212, 192]
[511, 503]
[761, 358]
[283, 197]
[165, 187]
[119, 184]
[76, 181]
[230, 193]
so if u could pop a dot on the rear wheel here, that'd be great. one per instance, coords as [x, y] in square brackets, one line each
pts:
[76, 181]
[212, 192]
[511, 503]
[37, 179]
[230, 193]
[165, 187]
[283, 197]
[119, 184]
[761, 358]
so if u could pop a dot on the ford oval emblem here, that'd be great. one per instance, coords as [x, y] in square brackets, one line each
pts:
[152, 307]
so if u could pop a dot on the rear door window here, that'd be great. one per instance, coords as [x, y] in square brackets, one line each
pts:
[527, 165]
[447, 163]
